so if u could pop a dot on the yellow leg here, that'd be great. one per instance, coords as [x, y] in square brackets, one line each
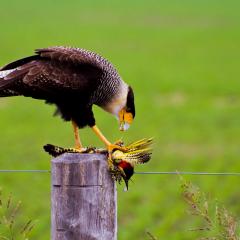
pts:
[78, 144]
[110, 147]
[108, 144]
[100, 135]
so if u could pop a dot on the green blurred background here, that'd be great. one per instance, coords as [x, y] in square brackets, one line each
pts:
[182, 59]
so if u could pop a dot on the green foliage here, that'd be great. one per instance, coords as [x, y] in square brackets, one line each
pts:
[10, 226]
[182, 60]
[215, 222]
[151, 237]
[218, 224]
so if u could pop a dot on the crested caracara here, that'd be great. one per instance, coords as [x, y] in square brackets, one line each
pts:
[73, 79]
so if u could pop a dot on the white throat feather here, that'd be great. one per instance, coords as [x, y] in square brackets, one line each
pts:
[119, 101]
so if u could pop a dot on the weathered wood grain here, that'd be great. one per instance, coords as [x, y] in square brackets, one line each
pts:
[84, 204]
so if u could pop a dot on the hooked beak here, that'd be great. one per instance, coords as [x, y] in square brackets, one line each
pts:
[126, 183]
[124, 177]
[124, 126]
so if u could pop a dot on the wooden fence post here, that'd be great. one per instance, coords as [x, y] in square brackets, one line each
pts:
[84, 198]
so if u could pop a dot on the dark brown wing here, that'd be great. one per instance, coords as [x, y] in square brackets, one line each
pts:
[52, 73]
[74, 56]
[19, 62]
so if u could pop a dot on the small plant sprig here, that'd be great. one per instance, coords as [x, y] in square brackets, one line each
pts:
[10, 228]
[150, 236]
[218, 224]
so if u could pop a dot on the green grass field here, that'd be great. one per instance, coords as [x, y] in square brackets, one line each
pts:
[183, 60]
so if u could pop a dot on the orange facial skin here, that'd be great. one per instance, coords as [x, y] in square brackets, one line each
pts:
[125, 116]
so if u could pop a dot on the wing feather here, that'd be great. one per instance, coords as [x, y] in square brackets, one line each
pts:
[73, 55]
[53, 71]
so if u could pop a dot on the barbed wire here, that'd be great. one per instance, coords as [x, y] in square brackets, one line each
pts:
[140, 173]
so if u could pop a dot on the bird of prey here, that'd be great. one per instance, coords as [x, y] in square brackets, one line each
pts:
[73, 79]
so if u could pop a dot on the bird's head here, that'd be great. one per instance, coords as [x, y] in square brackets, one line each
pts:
[123, 162]
[126, 170]
[127, 113]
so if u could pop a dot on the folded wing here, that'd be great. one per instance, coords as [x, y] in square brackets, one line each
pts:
[53, 73]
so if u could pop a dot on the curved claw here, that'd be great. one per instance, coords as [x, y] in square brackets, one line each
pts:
[119, 142]
[78, 150]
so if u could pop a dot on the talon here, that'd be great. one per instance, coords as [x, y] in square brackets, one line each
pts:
[112, 147]
[119, 142]
[79, 150]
